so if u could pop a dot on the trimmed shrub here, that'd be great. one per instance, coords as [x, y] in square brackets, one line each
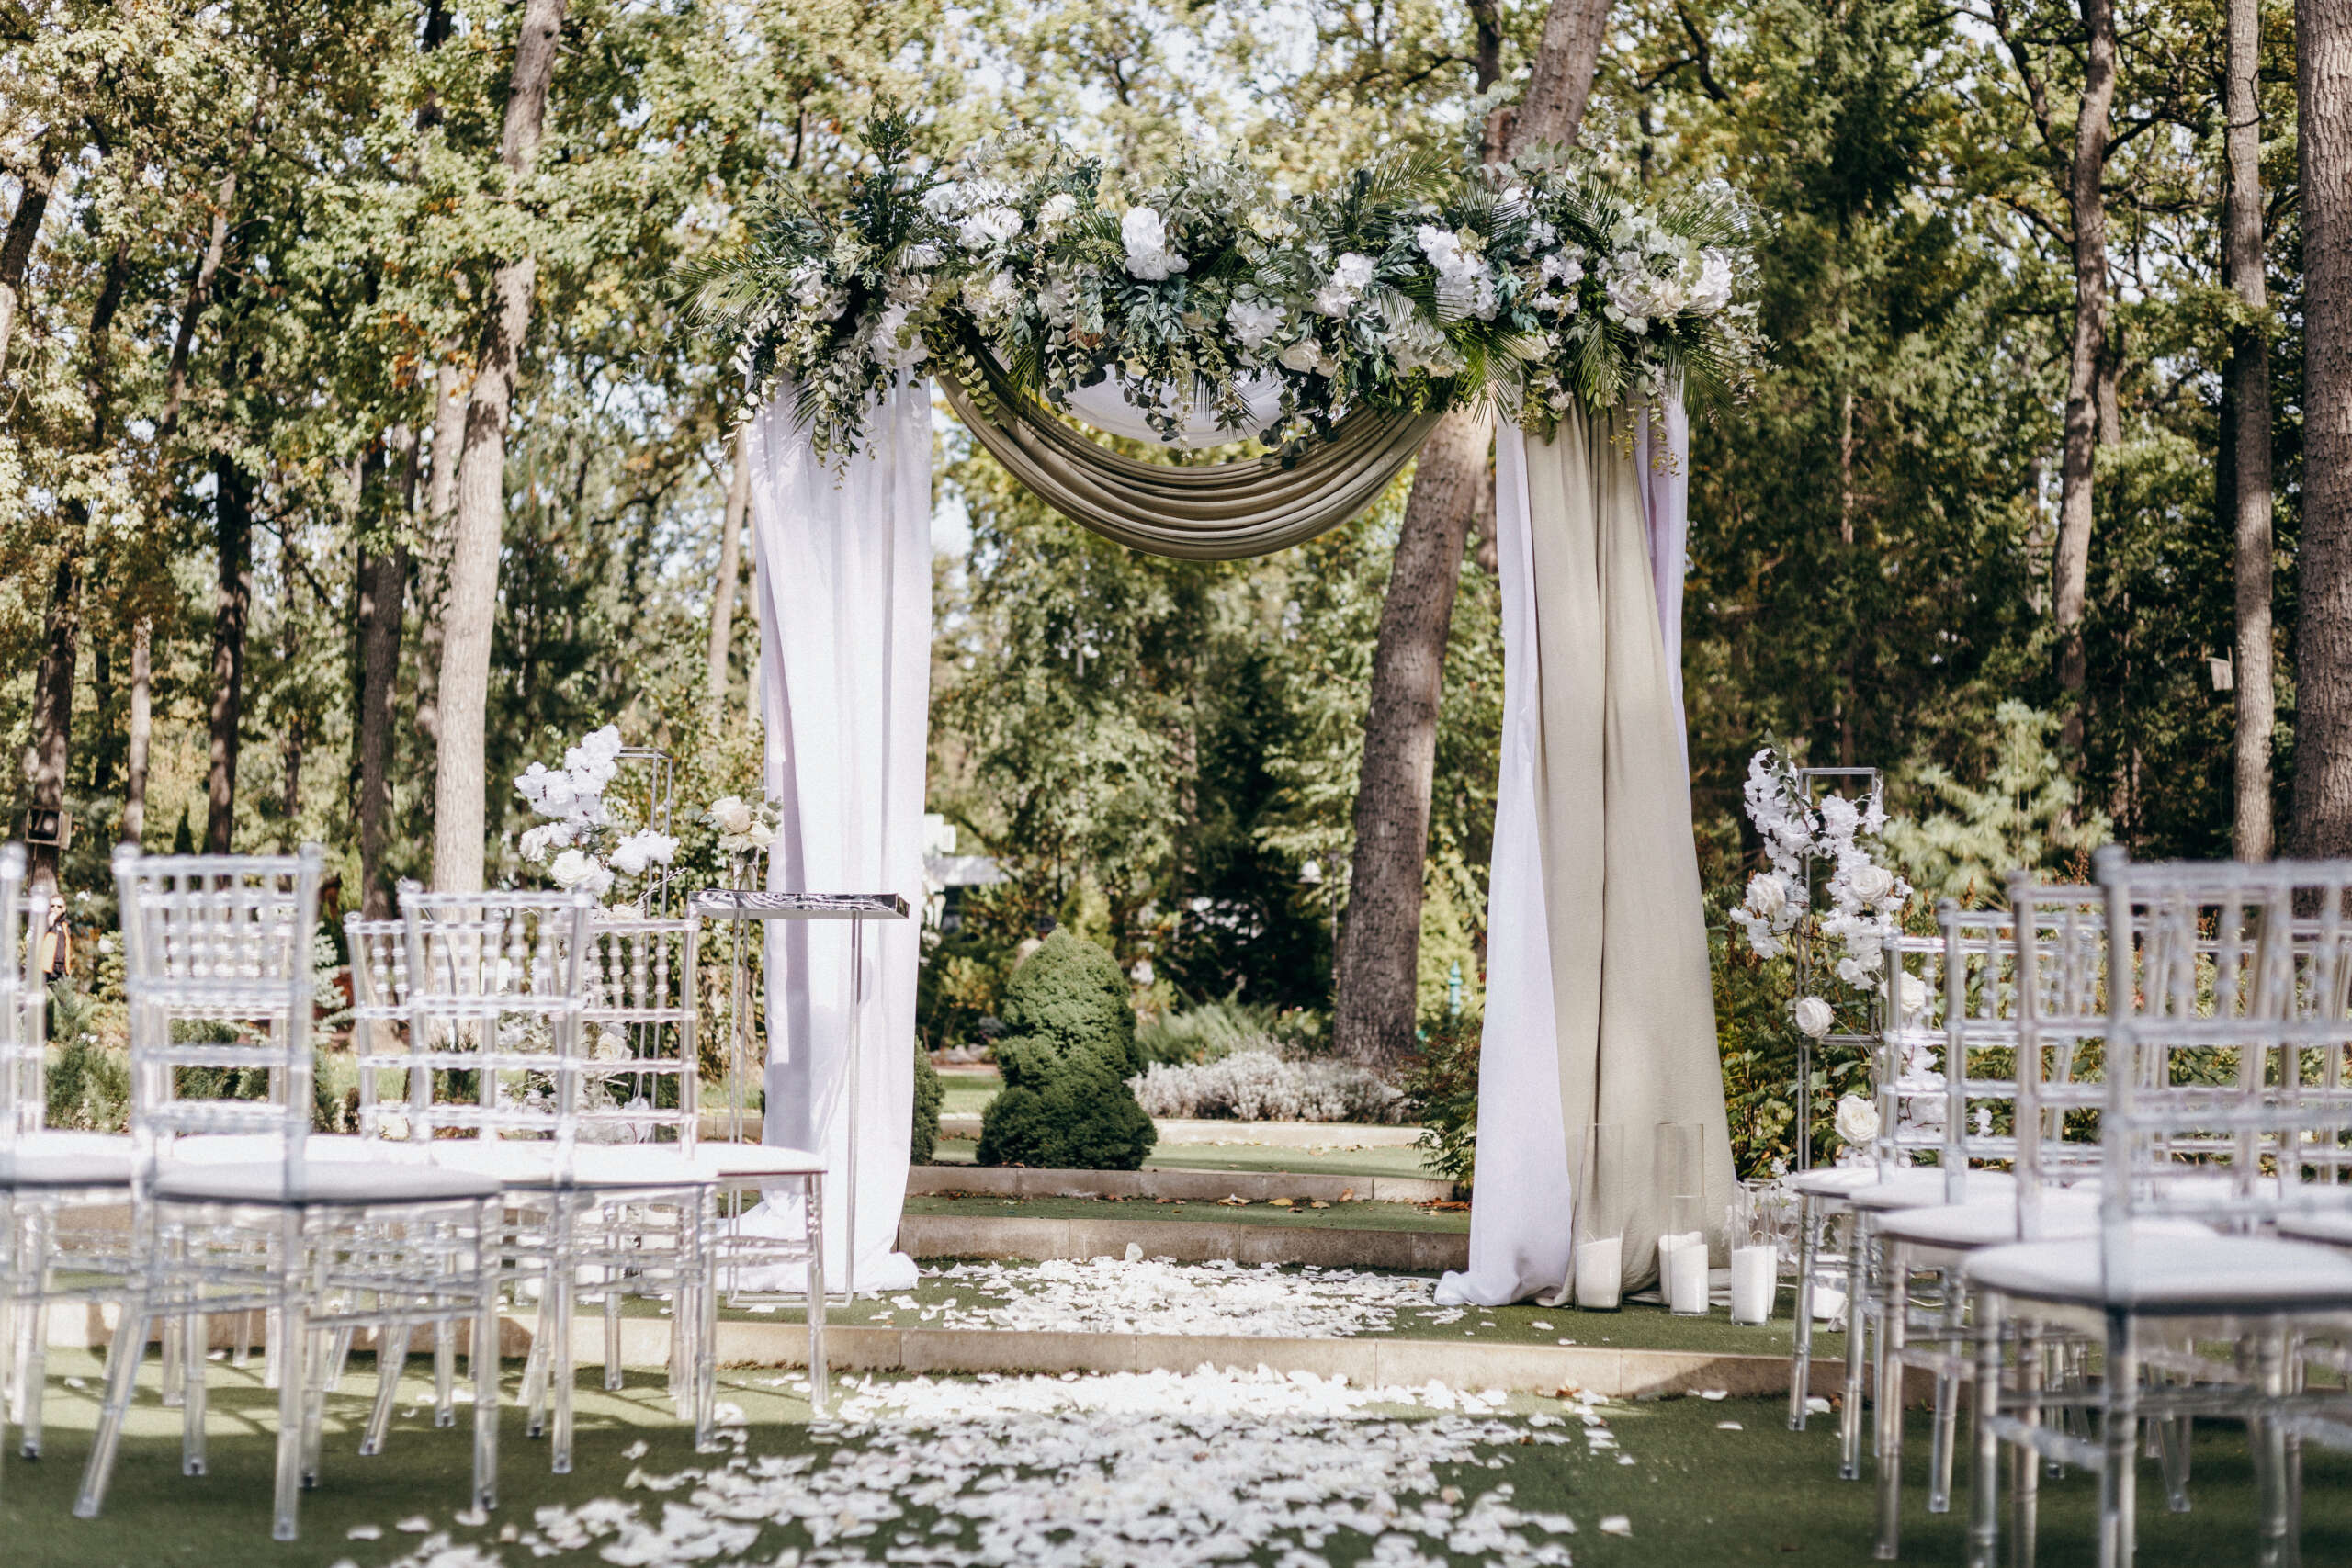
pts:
[1442, 1096]
[929, 1093]
[1258, 1086]
[1066, 1053]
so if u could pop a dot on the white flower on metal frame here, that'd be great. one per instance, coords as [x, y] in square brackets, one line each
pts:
[1813, 1015]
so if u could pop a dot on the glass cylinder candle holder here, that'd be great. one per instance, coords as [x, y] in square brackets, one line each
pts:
[1598, 1202]
[1755, 1242]
[1679, 1180]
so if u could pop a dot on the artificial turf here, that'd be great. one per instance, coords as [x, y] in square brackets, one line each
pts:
[1697, 1495]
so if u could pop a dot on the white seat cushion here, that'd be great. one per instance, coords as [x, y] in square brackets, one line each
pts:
[740, 1160]
[1991, 1222]
[2172, 1273]
[57, 1159]
[530, 1164]
[1924, 1188]
[1836, 1180]
[340, 1183]
[2330, 1226]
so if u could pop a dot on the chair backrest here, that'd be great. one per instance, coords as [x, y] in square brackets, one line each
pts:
[498, 991]
[642, 1031]
[1907, 1071]
[378, 952]
[2225, 1100]
[216, 969]
[2058, 976]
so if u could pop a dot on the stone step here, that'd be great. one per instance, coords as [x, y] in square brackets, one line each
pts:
[1206, 1186]
[1266, 1134]
[1186, 1241]
[1380, 1363]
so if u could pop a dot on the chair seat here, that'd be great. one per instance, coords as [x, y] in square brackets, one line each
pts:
[2172, 1274]
[257, 1149]
[1991, 1222]
[2330, 1227]
[740, 1160]
[1836, 1180]
[61, 1160]
[1923, 1187]
[338, 1183]
[529, 1164]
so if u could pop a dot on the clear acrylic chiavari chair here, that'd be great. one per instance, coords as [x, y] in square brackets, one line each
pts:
[2223, 981]
[217, 975]
[540, 1024]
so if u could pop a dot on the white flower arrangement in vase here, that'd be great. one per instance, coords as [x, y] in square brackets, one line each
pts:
[746, 829]
[579, 845]
[1865, 899]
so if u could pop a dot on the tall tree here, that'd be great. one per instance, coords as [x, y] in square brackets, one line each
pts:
[2323, 627]
[471, 595]
[1374, 1011]
[24, 229]
[2247, 442]
[730, 563]
[382, 604]
[233, 599]
[61, 630]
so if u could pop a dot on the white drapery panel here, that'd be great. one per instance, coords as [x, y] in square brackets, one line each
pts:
[1598, 1006]
[843, 588]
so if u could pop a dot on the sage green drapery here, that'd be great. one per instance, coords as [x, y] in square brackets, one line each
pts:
[1214, 511]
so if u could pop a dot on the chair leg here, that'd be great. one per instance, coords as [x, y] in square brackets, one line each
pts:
[195, 1340]
[445, 1374]
[173, 1374]
[392, 1361]
[32, 1329]
[2273, 1548]
[2119, 1443]
[819, 1384]
[2025, 1471]
[485, 1365]
[1800, 1364]
[613, 1331]
[1886, 1403]
[562, 1373]
[1984, 1502]
[706, 1320]
[1858, 1342]
[1953, 1324]
[122, 1377]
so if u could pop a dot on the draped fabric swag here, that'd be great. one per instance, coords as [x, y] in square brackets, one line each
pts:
[1599, 1003]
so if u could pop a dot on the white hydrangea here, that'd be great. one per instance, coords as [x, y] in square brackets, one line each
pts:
[642, 850]
[1350, 276]
[1253, 321]
[1145, 234]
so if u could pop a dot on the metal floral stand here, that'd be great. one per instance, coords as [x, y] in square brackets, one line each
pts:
[1807, 779]
[743, 905]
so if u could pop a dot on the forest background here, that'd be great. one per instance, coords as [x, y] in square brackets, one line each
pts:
[243, 487]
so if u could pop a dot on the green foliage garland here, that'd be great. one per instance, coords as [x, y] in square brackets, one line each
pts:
[1418, 283]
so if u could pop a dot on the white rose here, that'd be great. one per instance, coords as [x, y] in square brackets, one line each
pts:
[1767, 895]
[537, 840]
[577, 868]
[1813, 1015]
[1303, 355]
[1857, 1120]
[1911, 996]
[1871, 883]
[729, 814]
[759, 835]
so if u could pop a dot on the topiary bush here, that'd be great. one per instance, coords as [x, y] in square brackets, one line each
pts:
[1066, 1053]
[929, 1093]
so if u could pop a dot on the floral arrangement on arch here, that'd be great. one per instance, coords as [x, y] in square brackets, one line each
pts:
[579, 844]
[1421, 282]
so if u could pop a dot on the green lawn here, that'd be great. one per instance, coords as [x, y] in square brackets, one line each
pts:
[1696, 1495]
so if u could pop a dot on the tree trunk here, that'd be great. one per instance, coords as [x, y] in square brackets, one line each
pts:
[62, 627]
[2079, 460]
[383, 591]
[2324, 630]
[1377, 975]
[472, 600]
[431, 567]
[199, 294]
[2248, 375]
[233, 598]
[24, 229]
[142, 729]
[731, 562]
[1379, 957]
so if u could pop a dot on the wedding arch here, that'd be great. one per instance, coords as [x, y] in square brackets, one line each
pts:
[1330, 331]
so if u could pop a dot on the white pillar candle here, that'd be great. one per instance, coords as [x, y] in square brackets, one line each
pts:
[1829, 1303]
[1682, 1272]
[1755, 1272]
[1601, 1271]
